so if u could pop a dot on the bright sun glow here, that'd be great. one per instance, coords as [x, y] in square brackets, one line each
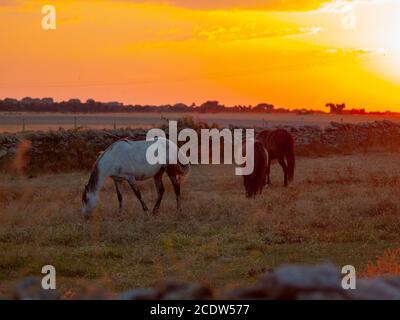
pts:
[384, 33]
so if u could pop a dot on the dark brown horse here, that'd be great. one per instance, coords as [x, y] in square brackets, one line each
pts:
[254, 183]
[270, 145]
[280, 146]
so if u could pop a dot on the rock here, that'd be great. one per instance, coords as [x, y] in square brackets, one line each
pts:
[290, 280]
[177, 290]
[320, 296]
[3, 153]
[31, 289]
[140, 294]
[249, 293]
[336, 124]
[94, 292]
[376, 289]
[321, 282]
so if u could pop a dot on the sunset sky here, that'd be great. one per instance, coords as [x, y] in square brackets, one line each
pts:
[290, 53]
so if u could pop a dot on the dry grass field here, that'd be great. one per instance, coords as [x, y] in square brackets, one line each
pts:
[343, 209]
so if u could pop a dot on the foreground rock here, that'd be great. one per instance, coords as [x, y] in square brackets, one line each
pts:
[290, 282]
[31, 289]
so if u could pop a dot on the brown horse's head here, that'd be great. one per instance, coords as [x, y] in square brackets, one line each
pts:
[254, 183]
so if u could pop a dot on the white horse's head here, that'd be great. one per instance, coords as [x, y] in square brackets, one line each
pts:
[89, 202]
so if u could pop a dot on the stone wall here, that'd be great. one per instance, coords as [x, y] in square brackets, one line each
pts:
[345, 138]
[61, 150]
[66, 150]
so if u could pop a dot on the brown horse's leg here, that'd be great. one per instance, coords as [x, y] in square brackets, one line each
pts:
[177, 190]
[281, 161]
[119, 194]
[268, 171]
[160, 190]
[136, 191]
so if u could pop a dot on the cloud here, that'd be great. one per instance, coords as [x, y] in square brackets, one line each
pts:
[9, 2]
[360, 52]
[270, 5]
[251, 32]
[345, 6]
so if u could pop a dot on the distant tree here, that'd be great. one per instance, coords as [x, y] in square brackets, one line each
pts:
[179, 107]
[90, 101]
[212, 107]
[336, 108]
[264, 107]
[47, 101]
[74, 101]
[26, 100]
[10, 101]
[340, 107]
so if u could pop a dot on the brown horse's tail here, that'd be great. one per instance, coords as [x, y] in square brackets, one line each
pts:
[254, 183]
[184, 169]
[291, 159]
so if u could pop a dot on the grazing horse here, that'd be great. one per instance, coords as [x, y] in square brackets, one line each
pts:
[280, 146]
[254, 183]
[125, 160]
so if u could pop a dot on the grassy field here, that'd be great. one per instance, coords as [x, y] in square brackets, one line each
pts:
[342, 209]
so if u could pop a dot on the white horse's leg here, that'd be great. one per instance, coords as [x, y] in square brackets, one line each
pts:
[119, 194]
[160, 190]
[136, 191]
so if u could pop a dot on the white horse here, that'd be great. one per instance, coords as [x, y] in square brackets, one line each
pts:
[125, 160]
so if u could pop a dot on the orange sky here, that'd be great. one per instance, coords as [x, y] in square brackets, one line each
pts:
[290, 53]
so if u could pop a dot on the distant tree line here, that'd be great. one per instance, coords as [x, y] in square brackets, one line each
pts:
[29, 104]
[90, 106]
[340, 108]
